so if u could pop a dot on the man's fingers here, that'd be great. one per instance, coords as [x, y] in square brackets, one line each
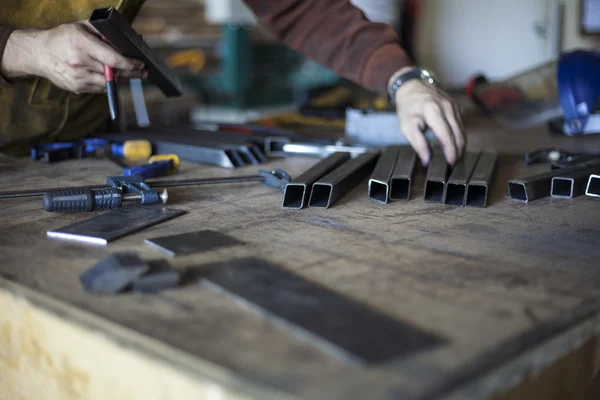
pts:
[95, 80]
[106, 54]
[453, 120]
[435, 119]
[413, 134]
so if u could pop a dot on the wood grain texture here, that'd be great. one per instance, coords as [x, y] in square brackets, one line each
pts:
[491, 281]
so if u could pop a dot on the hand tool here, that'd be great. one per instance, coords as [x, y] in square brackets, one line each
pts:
[158, 165]
[111, 89]
[557, 157]
[119, 189]
[130, 150]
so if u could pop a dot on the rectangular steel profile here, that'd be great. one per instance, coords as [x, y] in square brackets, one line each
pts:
[481, 180]
[573, 184]
[435, 181]
[593, 186]
[297, 192]
[381, 178]
[329, 189]
[117, 30]
[401, 186]
[535, 187]
[455, 192]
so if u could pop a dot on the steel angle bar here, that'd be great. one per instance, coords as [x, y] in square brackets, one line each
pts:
[402, 176]
[329, 189]
[593, 186]
[437, 174]
[573, 184]
[534, 187]
[297, 192]
[481, 180]
[456, 187]
[380, 181]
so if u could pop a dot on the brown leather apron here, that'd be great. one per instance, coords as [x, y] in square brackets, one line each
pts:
[32, 109]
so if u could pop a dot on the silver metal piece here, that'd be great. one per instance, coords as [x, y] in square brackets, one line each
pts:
[139, 103]
[322, 150]
[593, 186]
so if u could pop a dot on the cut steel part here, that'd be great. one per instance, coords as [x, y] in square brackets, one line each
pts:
[139, 103]
[111, 225]
[297, 192]
[193, 242]
[593, 186]
[455, 192]
[329, 189]
[401, 185]
[380, 181]
[320, 150]
[573, 184]
[435, 181]
[535, 187]
[481, 180]
[274, 146]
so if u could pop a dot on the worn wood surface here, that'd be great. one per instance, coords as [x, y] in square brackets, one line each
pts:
[492, 282]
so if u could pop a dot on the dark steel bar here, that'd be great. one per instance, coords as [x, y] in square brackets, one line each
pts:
[593, 186]
[340, 181]
[573, 184]
[274, 146]
[117, 30]
[402, 176]
[380, 181]
[163, 184]
[535, 187]
[297, 192]
[437, 174]
[456, 187]
[481, 180]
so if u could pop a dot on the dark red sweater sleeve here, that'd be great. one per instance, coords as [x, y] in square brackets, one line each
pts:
[337, 35]
[5, 32]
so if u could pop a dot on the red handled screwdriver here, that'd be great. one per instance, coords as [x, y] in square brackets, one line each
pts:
[111, 89]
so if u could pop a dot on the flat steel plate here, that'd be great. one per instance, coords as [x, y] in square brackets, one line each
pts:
[192, 242]
[111, 225]
[332, 322]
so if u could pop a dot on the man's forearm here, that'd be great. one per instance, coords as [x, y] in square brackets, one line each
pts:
[20, 55]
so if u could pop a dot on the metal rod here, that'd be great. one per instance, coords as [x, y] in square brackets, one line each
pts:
[321, 150]
[380, 181]
[437, 174]
[297, 192]
[401, 185]
[481, 180]
[573, 184]
[593, 186]
[456, 187]
[164, 184]
[329, 189]
[537, 186]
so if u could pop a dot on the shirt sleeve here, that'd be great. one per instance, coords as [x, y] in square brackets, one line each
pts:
[5, 32]
[337, 35]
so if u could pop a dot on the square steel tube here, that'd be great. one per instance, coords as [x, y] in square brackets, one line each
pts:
[573, 184]
[437, 174]
[117, 30]
[535, 187]
[593, 186]
[402, 176]
[455, 192]
[340, 181]
[481, 180]
[297, 192]
[380, 181]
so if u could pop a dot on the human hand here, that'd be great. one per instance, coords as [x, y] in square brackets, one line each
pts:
[420, 105]
[73, 58]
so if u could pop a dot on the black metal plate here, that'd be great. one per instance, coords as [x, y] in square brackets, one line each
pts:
[335, 323]
[113, 274]
[112, 225]
[193, 242]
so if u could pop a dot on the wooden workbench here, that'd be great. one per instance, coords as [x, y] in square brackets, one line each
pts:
[513, 289]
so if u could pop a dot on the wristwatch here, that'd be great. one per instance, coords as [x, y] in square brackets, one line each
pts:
[415, 73]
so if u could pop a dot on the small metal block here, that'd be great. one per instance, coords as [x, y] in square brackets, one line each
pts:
[114, 274]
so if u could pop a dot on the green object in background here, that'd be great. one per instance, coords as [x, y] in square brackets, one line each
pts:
[259, 75]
